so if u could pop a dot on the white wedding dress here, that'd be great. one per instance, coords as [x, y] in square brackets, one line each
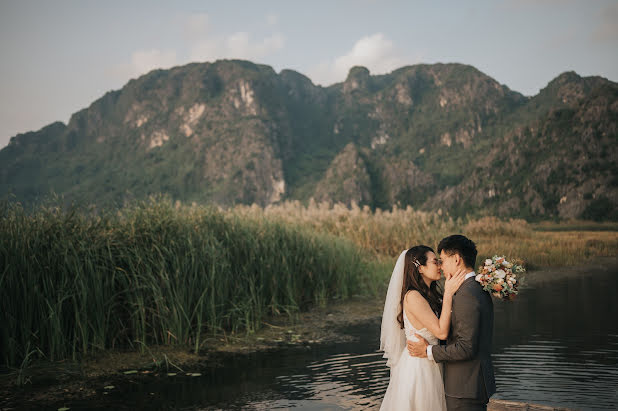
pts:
[415, 383]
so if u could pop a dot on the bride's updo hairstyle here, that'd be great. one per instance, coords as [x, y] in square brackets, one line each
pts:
[413, 280]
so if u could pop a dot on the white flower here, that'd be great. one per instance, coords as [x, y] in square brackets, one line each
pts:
[478, 277]
[500, 273]
[488, 262]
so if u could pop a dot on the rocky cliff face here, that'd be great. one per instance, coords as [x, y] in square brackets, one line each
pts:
[434, 136]
[346, 180]
[562, 164]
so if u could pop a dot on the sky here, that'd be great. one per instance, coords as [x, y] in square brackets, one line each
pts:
[57, 57]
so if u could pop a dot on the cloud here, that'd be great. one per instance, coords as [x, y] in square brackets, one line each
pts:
[607, 31]
[196, 25]
[560, 40]
[376, 52]
[238, 45]
[202, 45]
[272, 19]
[526, 4]
[143, 61]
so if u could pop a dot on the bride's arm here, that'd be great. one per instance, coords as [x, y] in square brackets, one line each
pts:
[417, 307]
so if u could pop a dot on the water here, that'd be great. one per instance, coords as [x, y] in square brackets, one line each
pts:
[557, 344]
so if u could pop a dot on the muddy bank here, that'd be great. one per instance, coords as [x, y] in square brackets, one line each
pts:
[48, 383]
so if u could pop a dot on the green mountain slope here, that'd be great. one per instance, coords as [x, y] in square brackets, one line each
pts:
[433, 136]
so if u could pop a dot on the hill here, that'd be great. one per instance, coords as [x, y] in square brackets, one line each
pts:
[431, 136]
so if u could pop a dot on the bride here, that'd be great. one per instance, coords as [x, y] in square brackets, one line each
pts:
[413, 302]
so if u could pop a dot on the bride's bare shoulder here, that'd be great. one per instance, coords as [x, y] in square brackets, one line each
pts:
[413, 298]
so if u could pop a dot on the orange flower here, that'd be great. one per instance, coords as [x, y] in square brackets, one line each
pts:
[498, 287]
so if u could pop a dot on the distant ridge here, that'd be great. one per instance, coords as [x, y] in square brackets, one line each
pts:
[430, 135]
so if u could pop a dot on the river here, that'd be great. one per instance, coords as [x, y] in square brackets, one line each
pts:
[557, 344]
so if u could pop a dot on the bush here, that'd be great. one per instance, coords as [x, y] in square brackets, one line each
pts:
[601, 209]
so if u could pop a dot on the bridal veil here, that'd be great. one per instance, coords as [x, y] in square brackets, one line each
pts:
[392, 336]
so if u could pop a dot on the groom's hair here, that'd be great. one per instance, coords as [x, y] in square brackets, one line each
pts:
[461, 245]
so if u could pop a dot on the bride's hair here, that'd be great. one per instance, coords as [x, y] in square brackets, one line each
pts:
[413, 280]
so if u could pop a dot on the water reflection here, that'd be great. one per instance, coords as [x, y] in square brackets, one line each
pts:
[543, 372]
[556, 345]
[349, 381]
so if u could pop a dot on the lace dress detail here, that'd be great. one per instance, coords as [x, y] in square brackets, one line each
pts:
[410, 330]
[415, 383]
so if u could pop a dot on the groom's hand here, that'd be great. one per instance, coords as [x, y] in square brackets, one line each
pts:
[418, 348]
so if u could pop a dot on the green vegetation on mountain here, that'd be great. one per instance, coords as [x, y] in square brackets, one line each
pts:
[441, 136]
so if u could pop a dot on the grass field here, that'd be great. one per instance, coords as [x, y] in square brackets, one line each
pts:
[74, 282]
[387, 233]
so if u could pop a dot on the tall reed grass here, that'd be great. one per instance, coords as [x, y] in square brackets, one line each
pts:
[383, 232]
[73, 282]
[388, 232]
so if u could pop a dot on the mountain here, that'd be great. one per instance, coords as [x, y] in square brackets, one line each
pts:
[431, 136]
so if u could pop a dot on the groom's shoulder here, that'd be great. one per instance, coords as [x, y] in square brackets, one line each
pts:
[471, 293]
[470, 286]
[473, 289]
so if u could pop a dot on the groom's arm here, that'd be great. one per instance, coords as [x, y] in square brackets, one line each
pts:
[465, 342]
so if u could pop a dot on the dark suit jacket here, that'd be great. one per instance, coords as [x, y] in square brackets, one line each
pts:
[468, 371]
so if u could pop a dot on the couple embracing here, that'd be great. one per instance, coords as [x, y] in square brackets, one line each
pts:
[425, 373]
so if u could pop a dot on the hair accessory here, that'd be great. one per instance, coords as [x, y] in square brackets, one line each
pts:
[416, 263]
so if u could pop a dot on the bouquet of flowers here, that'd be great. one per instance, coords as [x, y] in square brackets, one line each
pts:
[498, 276]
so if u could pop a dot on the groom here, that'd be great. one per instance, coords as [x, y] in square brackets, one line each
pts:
[468, 371]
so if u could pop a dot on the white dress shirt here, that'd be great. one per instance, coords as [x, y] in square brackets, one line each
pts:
[429, 353]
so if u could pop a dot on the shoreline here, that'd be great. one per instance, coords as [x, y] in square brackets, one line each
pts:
[503, 405]
[82, 380]
[68, 380]
[600, 265]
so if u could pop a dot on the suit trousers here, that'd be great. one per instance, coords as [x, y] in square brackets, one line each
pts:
[468, 404]
[465, 404]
